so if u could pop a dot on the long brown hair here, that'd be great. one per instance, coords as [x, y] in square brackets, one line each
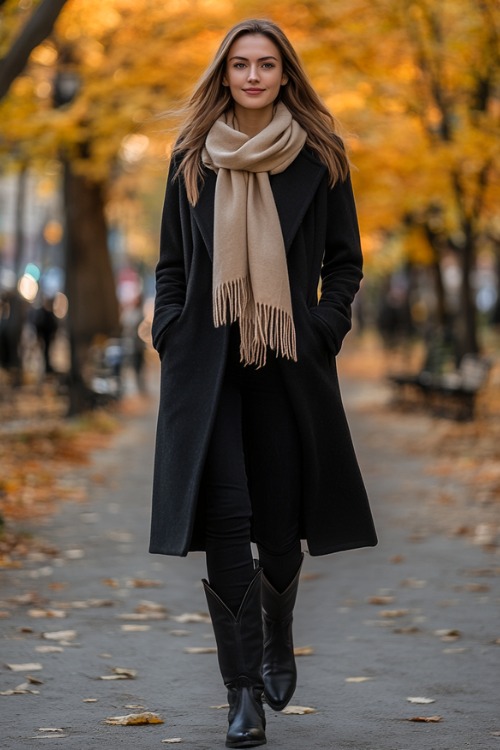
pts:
[210, 99]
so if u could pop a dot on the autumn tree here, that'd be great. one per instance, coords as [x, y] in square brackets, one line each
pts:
[418, 81]
[107, 71]
[415, 83]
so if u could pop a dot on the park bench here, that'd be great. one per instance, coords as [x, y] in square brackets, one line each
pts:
[450, 394]
[103, 372]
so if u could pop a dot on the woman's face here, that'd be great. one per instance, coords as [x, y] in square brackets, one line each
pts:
[254, 72]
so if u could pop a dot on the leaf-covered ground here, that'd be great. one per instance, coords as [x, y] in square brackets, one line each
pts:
[463, 457]
[39, 450]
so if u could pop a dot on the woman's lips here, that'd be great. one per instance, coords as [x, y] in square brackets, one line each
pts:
[253, 92]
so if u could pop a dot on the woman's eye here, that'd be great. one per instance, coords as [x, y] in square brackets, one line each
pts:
[239, 65]
[268, 65]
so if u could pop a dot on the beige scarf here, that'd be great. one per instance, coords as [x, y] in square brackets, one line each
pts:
[250, 275]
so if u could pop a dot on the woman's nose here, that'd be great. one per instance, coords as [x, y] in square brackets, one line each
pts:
[253, 73]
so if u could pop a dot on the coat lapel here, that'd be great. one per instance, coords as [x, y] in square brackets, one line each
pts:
[293, 192]
[203, 212]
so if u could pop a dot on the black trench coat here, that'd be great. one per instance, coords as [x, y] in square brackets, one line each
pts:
[321, 236]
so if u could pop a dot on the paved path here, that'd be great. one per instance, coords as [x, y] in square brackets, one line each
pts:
[429, 632]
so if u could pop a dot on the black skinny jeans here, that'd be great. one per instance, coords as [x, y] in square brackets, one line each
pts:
[252, 481]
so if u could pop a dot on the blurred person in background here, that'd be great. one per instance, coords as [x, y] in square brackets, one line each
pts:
[46, 325]
[12, 319]
[252, 440]
[131, 319]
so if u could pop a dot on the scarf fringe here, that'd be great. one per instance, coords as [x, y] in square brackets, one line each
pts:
[229, 301]
[269, 327]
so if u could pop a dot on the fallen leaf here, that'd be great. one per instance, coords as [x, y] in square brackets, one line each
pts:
[392, 613]
[200, 650]
[380, 600]
[448, 634]
[358, 679]
[303, 651]
[38, 613]
[299, 710]
[188, 617]
[135, 706]
[147, 717]
[179, 632]
[146, 606]
[454, 650]
[29, 667]
[111, 582]
[172, 740]
[144, 583]
[120, 673]
[221, 705]
[49, 649]
[50, 729]
[421, 700]
[126, 672]
[60, 635]
[33, 680]
[89, 700]
[74, 554]
[23, 689]
[58, 586]
[31, 597]
[135, 628]
[475, 587]
[396, 559]
[426, 719]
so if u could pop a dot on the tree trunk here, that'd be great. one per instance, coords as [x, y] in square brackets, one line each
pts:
[90, 286]
[441, 306]
[467, 319]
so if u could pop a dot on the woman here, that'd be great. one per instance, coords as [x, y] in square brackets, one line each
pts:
[252, 440]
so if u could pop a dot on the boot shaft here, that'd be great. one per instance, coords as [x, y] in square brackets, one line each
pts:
[239, 638]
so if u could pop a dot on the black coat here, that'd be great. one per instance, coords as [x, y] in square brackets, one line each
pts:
[321, 237]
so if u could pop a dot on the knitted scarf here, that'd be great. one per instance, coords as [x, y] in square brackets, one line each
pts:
[250, 275]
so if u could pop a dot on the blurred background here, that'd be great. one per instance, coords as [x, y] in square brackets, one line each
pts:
[85, 91]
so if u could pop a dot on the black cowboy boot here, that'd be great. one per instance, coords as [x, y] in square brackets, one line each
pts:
[278, 666]
[239, 650]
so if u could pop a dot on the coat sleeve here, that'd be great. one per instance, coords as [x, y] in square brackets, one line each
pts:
[341, 271]
[170, 270]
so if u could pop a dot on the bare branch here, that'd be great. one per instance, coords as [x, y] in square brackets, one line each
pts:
[32, 34]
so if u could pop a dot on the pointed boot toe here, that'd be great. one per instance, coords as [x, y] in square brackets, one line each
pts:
[246, 718]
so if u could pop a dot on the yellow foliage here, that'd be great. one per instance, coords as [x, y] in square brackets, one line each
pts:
[404, 76]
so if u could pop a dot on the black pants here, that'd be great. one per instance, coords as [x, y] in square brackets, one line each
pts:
[252, 481]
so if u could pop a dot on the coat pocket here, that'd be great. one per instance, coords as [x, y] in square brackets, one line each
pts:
[161, 332]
